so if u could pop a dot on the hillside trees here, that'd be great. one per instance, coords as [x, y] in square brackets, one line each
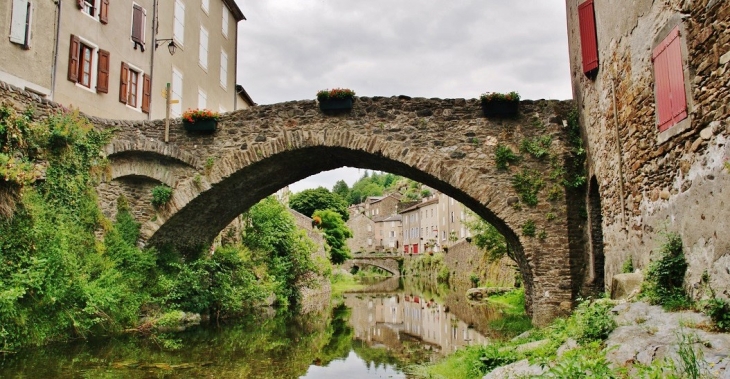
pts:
[311, 200]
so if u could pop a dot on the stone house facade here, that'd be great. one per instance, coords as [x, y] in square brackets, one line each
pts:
[102, 56]
[388, 232]
[651, 81]
[363, 233]
[27, 58]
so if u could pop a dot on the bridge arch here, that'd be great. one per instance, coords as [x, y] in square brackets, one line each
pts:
[445, 144]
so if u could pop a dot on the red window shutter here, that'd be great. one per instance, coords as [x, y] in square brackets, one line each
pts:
[676, 78]
[137, 24]
[669, 81]
[146, 93]
[73, 59]
[80, 4]
[104, 11]
[588, 38]
[123, 83]
[102, 77]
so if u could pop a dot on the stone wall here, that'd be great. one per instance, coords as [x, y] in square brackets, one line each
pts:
[359, 224]
[650, 182]
[465, 259]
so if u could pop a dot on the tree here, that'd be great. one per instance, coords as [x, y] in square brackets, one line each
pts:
[311, 200]
[272, 236]
[336, 234]
[486, 237]
[341, 189]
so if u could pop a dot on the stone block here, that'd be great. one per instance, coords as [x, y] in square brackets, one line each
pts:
[626, 286]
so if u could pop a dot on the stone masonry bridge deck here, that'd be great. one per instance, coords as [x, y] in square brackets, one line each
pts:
[446, 144]
[389, 264]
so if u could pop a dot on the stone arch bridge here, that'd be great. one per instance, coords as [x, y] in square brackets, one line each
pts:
[389, 264]
[446, 144]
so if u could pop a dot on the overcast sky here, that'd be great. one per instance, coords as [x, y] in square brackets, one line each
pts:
[290, 49]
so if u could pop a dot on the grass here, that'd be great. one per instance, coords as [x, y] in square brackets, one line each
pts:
[342, 283]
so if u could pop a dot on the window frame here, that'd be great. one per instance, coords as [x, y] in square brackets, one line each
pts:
[675, 26]
[21, 19]
[225, 21]
[176, 109]
[141, 40]
[205, 6]
[179, 38]
[203, 57]
[82, 63]
[133, 87]
[223, 79]
[202, 94]
[588, 38]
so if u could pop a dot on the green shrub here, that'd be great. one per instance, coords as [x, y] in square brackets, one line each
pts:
[474, 279]
[529, 229]
[664, 283]
[161, 195]
[594, 320]
[719, 311]
[538, 147]
[628, 266]
[443, 275]
[504, 156]
[528, 183]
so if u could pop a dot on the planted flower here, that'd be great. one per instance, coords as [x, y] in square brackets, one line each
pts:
[500, 104]
[200, 120]
[193, 115]
[335, 99]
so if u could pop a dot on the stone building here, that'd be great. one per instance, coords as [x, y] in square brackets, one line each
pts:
[651, 80]
[363, 233]
[102, 57]
[388, 232]
[203, 75]
[435, 223]
[27, 58]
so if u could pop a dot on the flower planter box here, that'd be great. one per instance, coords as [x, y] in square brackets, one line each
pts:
[200, 125]
[500, 108]
[336, 104]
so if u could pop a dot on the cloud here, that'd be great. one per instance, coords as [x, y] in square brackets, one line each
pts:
[290, 49]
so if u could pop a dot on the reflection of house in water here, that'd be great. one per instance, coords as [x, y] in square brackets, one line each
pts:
[390, 320]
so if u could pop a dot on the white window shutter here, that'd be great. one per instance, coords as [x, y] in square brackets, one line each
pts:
[17, 23]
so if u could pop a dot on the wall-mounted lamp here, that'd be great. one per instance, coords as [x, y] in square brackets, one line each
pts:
[170, 46]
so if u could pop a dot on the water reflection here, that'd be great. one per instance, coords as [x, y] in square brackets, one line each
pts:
[400, 321]
[369, 335]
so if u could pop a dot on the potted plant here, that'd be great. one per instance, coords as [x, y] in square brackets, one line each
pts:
[500, 104]
[335, 99]
[200, 120]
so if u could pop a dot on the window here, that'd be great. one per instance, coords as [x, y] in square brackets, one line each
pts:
[669, 88]
[178, 27]
[139, 18]
[177, 92]
[224, 69]
[20, 23]
[83, 69]
[91, 7]
[87, 6]
[205, 4]
[203, 50]
[588, 39]
[133, 86]
[224, 21]
[452, 216]
[202, 99]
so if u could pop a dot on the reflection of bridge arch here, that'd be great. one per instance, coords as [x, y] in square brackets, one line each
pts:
[445, 144]
[390, 265]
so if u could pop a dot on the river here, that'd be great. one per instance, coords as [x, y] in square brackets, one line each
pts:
[374, 334]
